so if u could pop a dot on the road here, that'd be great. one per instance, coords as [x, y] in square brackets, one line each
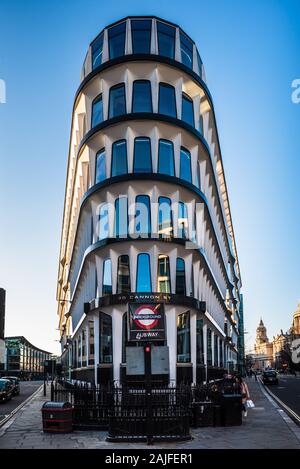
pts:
[288, 391]
[27, 388]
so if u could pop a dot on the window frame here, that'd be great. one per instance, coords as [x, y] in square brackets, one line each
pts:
[98, 98]
[112, 157]
[107, 259]
[184, 276]
[188, 331]
[98, 40]
[117, 202]
[149, 215]
[174, 38]
[190, 100]
[134, 149]
[111, 89]
[161, 256]
[137, 271]
[166, 85]
[132, 99]
[173, 157]
[100, 152]
[183, 149]
[119, 290]
[162, 235]
[183, 35]
[109, 38]
[133, 29]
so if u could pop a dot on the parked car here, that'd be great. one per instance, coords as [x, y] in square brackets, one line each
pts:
[16, 384]
[270, 377]
[6, 390]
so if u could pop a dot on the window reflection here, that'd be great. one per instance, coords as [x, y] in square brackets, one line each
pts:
[107, 278]
[166, 40]
[141, 36]
[183, 338]
[182, 220]
[119, 158]
[106, 341]
[166, 100]
[142, 215]
[103, 222]
[121, 217]
[185, 165]
[187, 110]
[163, 274]
[100, 173]
[123, 278]
[97, 50]
[186, 47]
[199, 342]
[180, 277]
[209, 347]
[142, 162]
[97, 111]
[165, 221]
[117, 102]
[143, 276]
[142, 101]
[166, 158]
[116, 40]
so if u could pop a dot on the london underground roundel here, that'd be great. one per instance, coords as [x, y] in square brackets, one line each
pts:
[142, 316]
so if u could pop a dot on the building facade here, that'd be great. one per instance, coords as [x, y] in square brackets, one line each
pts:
[146, 220]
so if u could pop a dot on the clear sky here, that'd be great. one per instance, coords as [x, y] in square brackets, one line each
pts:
[251, 52]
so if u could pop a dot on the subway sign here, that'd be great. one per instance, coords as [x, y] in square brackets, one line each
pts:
[146, 322]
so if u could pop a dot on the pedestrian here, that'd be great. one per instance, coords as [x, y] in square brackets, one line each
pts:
[255, 375]
[245, 394]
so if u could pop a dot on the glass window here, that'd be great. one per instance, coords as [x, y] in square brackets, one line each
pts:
[199, 61]
[142, 161]
[141, 96]
[103, 222]
[142, 215]
[97, 50]
[166, 158]
[167, 100]
[199, 342]
[143, 276]
[83, 342]
[91, 343]
[180, 277]
[106, 345]
[116, 40]
[119, 158]
[186, 47]
[163, 274]
[215, 350]
[221, 353]
[182, 220]
[107, 281]
[123, 278]
[97, 111]
[117, 101]
[183, 338]
[209, 347]
[100, 172]
[165, 222]
[124, 337]
[187, 110]
[185, 165]
[191, 293]
[166, 40]
[141, 36]
[121, 217]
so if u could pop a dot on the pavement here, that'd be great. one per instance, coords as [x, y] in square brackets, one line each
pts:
[26, 389]
[265, 427]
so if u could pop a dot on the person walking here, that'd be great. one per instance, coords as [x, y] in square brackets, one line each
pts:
[245, 394]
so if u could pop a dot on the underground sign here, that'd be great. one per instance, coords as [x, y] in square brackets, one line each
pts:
[146, 322]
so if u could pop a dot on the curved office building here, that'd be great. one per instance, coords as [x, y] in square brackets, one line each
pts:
[147, 226]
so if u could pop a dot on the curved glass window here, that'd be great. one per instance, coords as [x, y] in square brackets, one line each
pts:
[209, 347]
[123, 276]
[97, 50]
[116, 40]
[124, 337]
[221, 353]
[100, 172]
[186, 47]
[103, 222]
[163, 274]
[215, 350]
[199, 342]
[117, 101]
[142, 215]
[182, 220]
[142, 161]
[119, 158]
[121, 217]
[183, 338]
[187, 114]
[91, 332]
[167, 100]
[199, 62]
[166, 40]
[107, 281]
[97, 111]
[180, 277]
[165, 221]
[106, 338]
[141, 36]
[141, 96]
[143, 274]
[166, 158]
[185, 165]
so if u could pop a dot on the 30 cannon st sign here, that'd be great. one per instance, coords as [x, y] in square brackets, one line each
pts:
[146, 322]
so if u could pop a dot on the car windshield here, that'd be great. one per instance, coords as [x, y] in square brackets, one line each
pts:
[2, 384]
[270, 373]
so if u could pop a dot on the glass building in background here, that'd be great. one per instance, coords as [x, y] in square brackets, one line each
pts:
[146, 210]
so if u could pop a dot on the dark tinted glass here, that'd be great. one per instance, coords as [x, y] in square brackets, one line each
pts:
[166, 158]
[163, 275]
[167, 102]
[183, 338]
[185, 165]
[166, 40]
[117, 102]
[199, 342]
[209, 347]
[142, 215]
[180, 277]
[97, 112]
[106, 341]
[141, 36]
[121, 217]
[186, 47]
[123, 279]
[107, 282]
[165, 223]
[119, 158]
[143, 276]
[187, 114]
[116, 40]
[199, 64]
[97, 49]
[100, 173]
[142, 155]
[141, 101]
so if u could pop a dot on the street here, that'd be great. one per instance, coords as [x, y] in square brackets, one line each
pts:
[288, 391]
[27, 388]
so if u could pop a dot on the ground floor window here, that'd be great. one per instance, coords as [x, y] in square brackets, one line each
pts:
[183, 338]
[209, 347]
[106, 350]
[199, 342]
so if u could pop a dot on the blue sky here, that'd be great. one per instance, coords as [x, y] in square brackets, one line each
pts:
[250, 50]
